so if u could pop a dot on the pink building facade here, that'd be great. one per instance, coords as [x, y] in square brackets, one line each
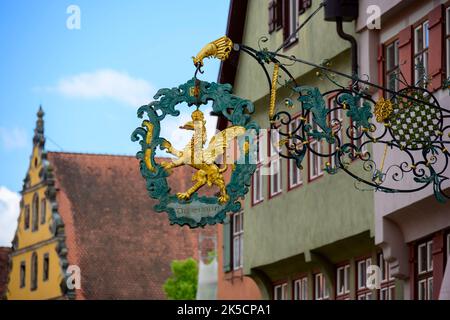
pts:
[413, 229]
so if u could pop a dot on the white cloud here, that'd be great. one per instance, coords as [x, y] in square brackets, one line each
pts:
[13, 138]
[9, 213]
[106, 83]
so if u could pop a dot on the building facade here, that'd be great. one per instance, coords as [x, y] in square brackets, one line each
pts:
[89, 216]
[412, 229]
[311, 236]
[4, 270]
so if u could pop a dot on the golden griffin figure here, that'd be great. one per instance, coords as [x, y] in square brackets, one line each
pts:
[194, 155]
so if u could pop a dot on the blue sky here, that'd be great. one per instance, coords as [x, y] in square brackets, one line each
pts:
[90, 81]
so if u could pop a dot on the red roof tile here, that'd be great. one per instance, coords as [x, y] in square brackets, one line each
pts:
[123, 248]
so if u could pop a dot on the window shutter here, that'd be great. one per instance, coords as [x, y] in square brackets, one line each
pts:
[286, 15]
[226, 245]
[381, 78]
[272, 12]
[405, 53]
[436, 48]
[279, 14]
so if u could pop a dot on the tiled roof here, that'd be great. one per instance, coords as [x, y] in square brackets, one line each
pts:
[123, 248]
[4, 269]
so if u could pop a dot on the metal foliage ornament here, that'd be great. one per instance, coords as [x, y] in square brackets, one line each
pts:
[188, 207]
[410, 126]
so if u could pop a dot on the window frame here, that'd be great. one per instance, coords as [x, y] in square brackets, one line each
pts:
[43, 209]
[35, 205]
[323, 293]
[311, 156]
[387, 282]
[279, 175]
[283, 286]
[23, 274]
[424, 277]
[258, 173]
[362, 292]
[341, 295]
[301, 289]
[424, 51]
[396, 66]
[237, 235]
[27, 217]
[34, 272]
[291, 166]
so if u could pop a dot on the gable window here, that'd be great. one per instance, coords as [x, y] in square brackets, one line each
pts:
[23, 271]
[336, 119]
[34, 271]
[275, 165]
[280, 292]
[294, 172]
[43, 210]
[392, 67]
[45, 267]
[314, 160]
[421, 43]
[425, 270]
[301, 289]
[26, 219]
[321, 291]
[238, 240]
[363, 293]
[343, 282]
[447, 39]
[387, 290]
[257, 178]
[35, 213]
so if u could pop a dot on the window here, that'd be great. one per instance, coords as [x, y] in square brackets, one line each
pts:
[257, 178]
[294, 173]
[387, 290]
[301, 289]
[43, 210]
[425, 271]
[343, 281]
[45, 267]
[315, 161]
[321, 291]
[336, 125]
[26, 220]
[421, 43]
[275, 15]
[280, 292]
[392, 67]
[447, 39]
[22, 274]
[275, 165]
[238, 239]
[35, 213]
[363, 293]
[291, 12]
[34, 271]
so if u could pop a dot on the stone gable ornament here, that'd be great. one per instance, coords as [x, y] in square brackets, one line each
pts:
[188, 207]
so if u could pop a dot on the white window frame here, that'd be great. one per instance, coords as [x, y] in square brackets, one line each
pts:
[238, 240]
[421, 53]
[335, 115]
[275, 165]
[283, 288]
[258, 174]
[346, 281]
[301, 289]
[363, 272]
[314, 161]
[294, 171]
[293, 19]
[321, 291]
[396, 65]
[429, 257]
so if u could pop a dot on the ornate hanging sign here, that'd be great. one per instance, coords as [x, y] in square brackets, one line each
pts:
[189, 207]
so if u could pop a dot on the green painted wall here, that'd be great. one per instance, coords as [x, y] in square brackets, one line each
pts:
[318, 213]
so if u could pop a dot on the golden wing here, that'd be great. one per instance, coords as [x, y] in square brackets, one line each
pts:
[220, 142]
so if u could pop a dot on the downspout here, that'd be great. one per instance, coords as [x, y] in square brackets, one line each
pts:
[353, 43]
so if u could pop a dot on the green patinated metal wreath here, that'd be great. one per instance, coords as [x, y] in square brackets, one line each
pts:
[194, 93]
